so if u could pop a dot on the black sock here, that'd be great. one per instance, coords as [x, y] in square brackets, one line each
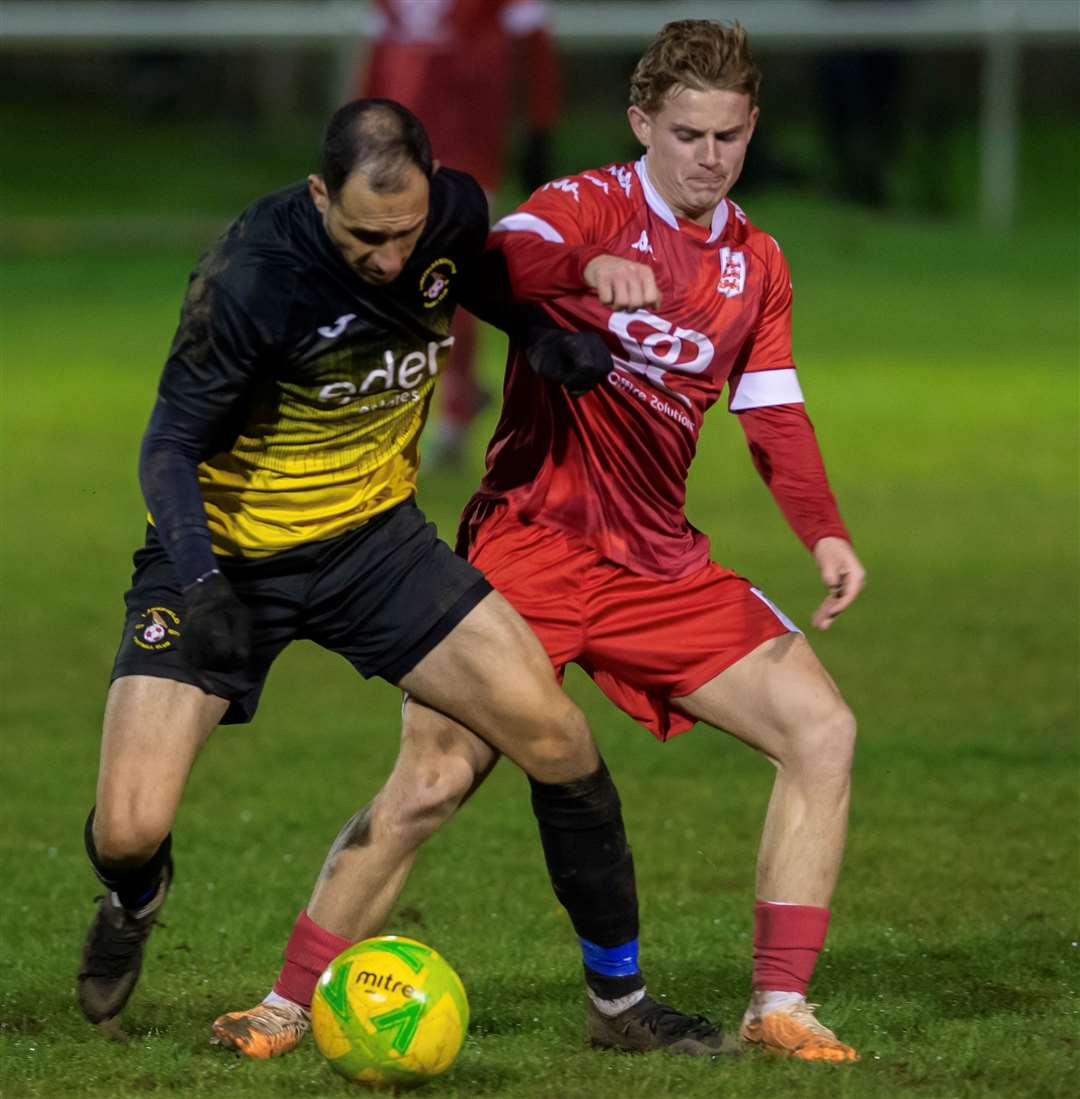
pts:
[591, 867]
[134, 885]
[613, 988]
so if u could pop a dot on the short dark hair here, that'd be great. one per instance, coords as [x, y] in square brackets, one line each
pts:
[378, 137]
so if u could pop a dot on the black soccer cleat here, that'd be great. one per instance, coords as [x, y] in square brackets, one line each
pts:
[651, 1026]
[113, 952]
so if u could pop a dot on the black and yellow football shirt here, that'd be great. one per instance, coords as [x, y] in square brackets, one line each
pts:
[311, 385]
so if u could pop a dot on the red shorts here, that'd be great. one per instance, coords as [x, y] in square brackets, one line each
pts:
[643, 641]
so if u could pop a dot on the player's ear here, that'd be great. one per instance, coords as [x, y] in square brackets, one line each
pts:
[640, 123]
[753, 122]
[316, 186]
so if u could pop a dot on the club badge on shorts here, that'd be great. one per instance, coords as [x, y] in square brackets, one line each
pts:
[155, 629]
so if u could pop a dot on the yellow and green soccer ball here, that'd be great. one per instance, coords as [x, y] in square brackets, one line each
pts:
[389, 1011]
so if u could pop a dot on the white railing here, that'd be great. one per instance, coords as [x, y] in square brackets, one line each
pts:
[998, 28]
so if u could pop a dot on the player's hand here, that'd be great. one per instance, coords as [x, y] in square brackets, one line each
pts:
[215, 632]
[622, 284]
[577, 360]
[842, 574]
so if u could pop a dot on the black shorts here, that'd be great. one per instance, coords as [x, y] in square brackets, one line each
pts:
[383, 596]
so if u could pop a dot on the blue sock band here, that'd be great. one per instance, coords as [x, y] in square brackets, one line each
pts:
[610, 961]
[146, 898]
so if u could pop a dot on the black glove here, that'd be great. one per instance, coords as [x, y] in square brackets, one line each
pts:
[577, 360]
[215, 633]
[535, 163]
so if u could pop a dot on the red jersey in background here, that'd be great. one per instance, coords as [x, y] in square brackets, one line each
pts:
[453, 64]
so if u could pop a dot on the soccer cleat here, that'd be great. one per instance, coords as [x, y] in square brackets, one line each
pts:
[652, 1026]
[265, 1031]
[794, 1031]
[113, 952]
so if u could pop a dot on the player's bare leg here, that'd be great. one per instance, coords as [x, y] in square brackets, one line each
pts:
[439, 766]
[493, 676]
[492, 672]
[781, 701]
[374, 852]
[479, 687]
[153, 731]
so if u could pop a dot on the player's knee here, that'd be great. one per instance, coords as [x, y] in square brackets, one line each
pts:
[559, 747]
[440, 787]
[131, 836]
[826, 744]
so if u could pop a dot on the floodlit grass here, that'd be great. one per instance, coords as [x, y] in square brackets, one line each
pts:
[940, 369]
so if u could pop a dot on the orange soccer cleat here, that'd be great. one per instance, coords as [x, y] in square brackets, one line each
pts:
[793, 1031]
[266, 1030]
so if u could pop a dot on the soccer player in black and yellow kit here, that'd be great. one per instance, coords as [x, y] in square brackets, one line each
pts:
[279, 468]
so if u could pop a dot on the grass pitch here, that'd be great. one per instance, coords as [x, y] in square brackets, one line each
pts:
[940, 370]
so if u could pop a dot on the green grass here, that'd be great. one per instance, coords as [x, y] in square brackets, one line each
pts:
[940, 369]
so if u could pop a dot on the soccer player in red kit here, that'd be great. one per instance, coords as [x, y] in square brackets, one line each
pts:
[456, 64]
[580, 523]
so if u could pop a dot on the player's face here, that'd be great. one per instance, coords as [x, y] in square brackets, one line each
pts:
[695, 146]
[375, 232]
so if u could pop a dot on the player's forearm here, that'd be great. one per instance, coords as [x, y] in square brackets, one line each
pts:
[168, 475]
[786, 453]
[485, 293]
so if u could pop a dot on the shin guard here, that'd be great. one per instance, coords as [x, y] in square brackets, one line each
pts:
[589, 861]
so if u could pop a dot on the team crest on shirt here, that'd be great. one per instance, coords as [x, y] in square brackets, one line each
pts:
[732, 273]
[435, 281]
[156, 629]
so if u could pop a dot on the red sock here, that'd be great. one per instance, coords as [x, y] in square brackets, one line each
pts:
[308, 952]
[787, 941]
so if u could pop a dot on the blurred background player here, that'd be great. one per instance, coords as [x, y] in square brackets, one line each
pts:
[461, 66]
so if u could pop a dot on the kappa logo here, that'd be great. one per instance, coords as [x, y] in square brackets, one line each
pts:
[156, 629]
[624, 176]
[570, 186]
[732, 273]
[596, 182]
[435, 281]
[332, 331]
[643, 244]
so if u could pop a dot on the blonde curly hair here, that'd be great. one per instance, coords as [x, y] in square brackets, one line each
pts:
[702, 54]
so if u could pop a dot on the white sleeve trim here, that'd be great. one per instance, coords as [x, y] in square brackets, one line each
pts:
[529, 223]
[763, 388]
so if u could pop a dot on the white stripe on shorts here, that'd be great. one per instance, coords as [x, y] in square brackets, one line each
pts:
[776, 610]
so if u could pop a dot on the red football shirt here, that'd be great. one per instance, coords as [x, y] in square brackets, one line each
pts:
[612, 465]
[456, 63]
